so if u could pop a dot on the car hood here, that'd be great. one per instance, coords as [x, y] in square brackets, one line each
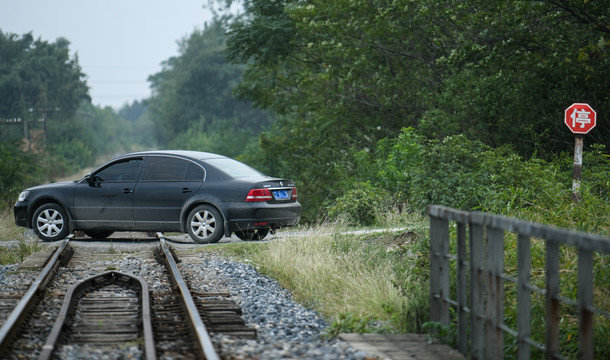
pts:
[63, 184]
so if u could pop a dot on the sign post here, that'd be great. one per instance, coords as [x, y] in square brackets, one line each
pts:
[580, 118]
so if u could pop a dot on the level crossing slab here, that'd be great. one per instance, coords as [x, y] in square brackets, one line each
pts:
[401, 347]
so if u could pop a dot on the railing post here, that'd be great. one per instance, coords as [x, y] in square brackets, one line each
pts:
[524, 297]
[462, 288]
[477, 315]
[585, 304]
[439, 270]
[495, 294]
[552, 300]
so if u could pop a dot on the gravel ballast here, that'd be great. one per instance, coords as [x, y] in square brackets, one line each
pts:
[286, 329]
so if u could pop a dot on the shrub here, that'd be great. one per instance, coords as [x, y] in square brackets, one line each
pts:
[14, 167]
[466, 174]
[449, 174]
[73, 154]
[360, 204]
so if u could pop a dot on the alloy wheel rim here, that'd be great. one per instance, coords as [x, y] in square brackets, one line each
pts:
[203, 224]
[50, 223]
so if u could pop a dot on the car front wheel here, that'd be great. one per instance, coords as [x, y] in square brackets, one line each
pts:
[50, 222]
[205, 224]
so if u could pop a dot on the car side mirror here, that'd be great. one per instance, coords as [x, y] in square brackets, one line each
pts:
[91, 180]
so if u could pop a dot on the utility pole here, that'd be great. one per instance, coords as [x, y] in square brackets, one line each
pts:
[44, 112]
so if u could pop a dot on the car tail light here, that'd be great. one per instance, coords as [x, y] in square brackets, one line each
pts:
[294, 193]
[259, 195]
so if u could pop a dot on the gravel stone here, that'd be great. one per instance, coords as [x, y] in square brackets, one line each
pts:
[286, 329]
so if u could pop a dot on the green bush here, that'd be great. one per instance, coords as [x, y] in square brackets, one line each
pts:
[15, 167]
[449, 174]
[73, 154]
[360, 204]
[466, 174]
[596, 171]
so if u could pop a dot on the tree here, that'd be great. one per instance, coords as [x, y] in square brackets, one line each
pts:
[342, 74]
[194, 91]
[39, 75]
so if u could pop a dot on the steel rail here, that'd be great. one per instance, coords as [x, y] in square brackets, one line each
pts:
[14, 321]
[204, 342]
[82, 286]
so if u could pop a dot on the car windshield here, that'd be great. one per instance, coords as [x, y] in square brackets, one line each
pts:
[233, 168]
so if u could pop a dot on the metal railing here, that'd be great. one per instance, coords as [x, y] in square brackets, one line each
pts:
[480, 279]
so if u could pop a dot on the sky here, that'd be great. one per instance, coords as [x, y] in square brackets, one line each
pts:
[119, 42]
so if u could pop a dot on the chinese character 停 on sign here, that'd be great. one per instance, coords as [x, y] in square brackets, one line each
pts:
[581, 117]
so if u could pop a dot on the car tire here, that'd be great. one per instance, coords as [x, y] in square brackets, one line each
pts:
[205, 224]
[50, 222]
[95, 234]
[252, 235]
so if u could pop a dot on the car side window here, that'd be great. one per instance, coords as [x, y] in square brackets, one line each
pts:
[195, 173]
[160, 168]
[126, 170]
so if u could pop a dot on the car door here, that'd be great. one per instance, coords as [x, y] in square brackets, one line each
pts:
[105, 199]
[165, 185]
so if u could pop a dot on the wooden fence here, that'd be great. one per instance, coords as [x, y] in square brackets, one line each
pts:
[473, 300]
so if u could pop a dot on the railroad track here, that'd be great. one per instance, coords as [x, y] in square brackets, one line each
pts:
[106, 312]
[110, 311]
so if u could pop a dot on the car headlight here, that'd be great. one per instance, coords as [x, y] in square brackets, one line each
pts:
[23, 195]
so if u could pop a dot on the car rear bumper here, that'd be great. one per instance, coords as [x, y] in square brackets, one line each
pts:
[260, 215]
[20, 211]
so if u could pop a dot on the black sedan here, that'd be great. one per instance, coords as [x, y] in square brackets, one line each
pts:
[207, 195]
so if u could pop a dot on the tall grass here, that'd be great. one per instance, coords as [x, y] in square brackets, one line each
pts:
[8, 229]
[365, 282]
[19, 251]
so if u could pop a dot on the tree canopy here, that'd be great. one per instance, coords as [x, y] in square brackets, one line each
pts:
[502, 72]
[192, 96]
[341, 75]
[36, 74]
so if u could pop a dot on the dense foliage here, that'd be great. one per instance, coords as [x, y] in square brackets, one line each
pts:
[343, 75]
[38, 75]
[468, 174]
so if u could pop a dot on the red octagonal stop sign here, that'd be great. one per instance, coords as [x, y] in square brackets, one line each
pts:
[580, 118]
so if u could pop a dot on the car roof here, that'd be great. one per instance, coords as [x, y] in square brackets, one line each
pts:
[195, 155]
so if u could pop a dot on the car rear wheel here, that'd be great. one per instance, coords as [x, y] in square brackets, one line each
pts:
[205, 224]
[98, 234]
[249, 235]
[50, 222]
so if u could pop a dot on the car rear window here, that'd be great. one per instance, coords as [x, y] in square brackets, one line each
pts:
[233, 168]
[159, 168]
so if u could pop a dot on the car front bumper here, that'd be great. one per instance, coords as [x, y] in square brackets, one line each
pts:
[20, 210]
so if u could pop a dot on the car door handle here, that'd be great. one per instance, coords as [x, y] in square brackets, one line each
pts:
[127, 191]
[186, 190]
